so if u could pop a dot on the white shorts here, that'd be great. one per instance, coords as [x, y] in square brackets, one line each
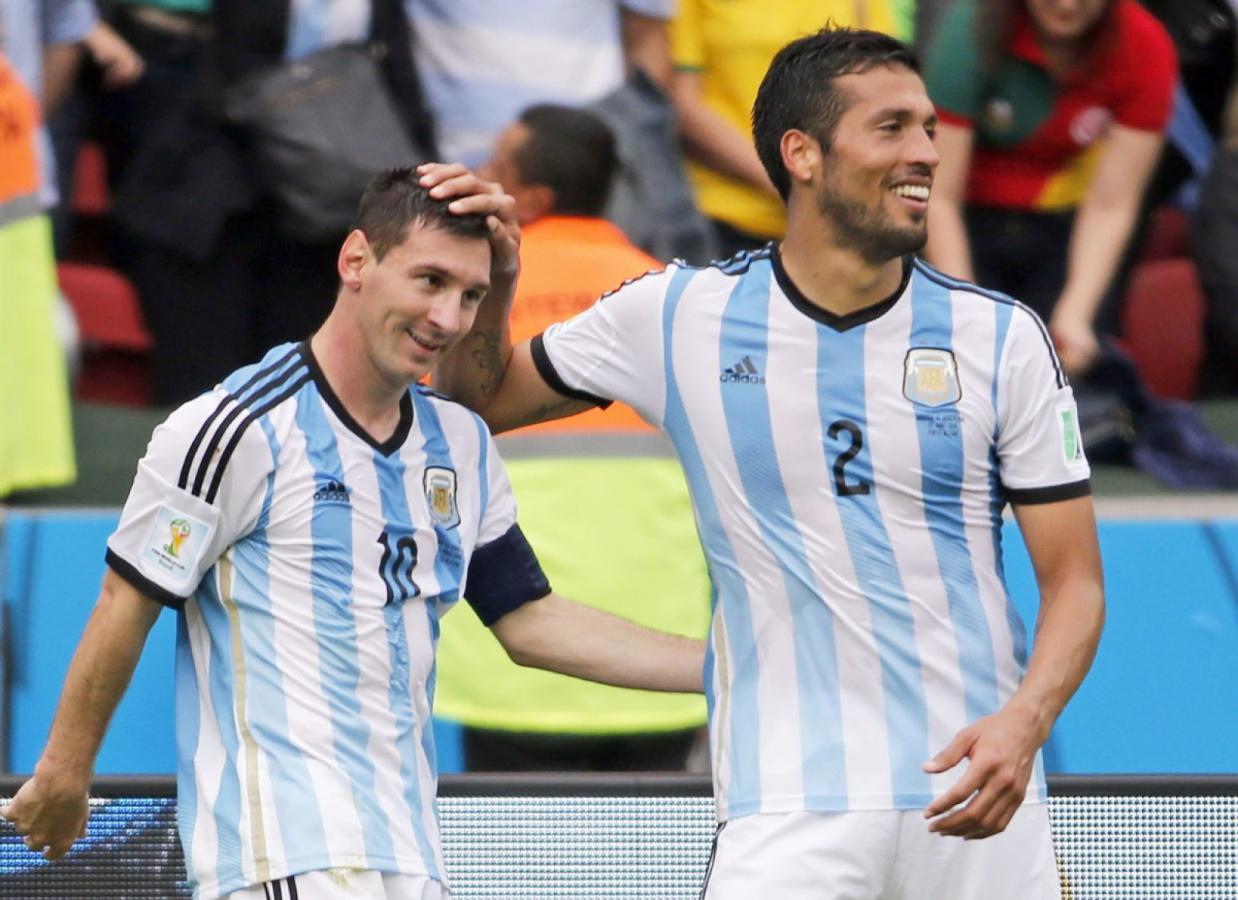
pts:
[880, 855]
[346, 884]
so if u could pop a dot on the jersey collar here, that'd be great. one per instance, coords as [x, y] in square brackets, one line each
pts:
[827, 318]
[402, 428]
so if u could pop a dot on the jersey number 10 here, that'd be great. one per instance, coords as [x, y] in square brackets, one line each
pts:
[397, 565]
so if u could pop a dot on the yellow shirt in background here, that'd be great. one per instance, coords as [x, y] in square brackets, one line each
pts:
[730, 43]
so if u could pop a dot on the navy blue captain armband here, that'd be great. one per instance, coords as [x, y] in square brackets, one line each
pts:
[504, 575]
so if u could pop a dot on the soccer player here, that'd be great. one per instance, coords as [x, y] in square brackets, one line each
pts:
[311, 520]
[851, 424]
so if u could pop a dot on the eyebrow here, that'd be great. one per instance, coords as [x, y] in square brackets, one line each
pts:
[424, 268]
[901, 113]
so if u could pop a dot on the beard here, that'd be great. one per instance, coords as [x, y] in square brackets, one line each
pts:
[868, 232]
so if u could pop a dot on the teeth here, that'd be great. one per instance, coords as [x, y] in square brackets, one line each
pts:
[914, 191]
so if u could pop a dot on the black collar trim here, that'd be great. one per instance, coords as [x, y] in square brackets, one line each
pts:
[402, 428]
[824, 316]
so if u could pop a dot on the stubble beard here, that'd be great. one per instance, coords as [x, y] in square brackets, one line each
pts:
[858, 228]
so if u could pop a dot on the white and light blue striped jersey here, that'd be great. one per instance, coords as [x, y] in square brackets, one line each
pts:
[848, 476]
[311, 566]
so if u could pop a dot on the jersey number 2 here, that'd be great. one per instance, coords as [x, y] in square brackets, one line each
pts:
[397, 565]
[852, 431]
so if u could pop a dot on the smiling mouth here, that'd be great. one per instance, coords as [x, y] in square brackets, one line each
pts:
[918, 192]
[428, 346]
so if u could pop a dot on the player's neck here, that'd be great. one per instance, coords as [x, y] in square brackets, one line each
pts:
[372, 401]
[837, 279]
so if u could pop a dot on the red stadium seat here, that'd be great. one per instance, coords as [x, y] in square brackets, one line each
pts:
[1163, 326]
[115, 343]
[90, 194]
[1168, 235]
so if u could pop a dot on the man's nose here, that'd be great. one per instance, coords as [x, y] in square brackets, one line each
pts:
[922, 151]
[445, 313]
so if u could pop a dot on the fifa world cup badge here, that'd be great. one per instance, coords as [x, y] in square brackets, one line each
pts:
[1072, 442]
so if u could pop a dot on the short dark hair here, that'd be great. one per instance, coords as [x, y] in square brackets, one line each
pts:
[395, 199]
[799, 91]
[572, 152]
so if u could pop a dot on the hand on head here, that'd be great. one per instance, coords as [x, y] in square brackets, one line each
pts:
[476, 195]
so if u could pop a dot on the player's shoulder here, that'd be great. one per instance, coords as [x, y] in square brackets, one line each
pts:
[970, 294]
[204, 435]
[1024, 323]
[681, 277]
[1025, 336]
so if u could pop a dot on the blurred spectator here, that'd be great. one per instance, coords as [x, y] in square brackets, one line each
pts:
[1214, 239]
[43, 41]
[1052, 119]
[219, 276]
[36, 447]
[720, 52]
[559, 163]
[112, 64]
[1204, 34]
[483, 61]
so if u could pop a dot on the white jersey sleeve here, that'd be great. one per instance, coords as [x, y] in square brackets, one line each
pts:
[1039, 446]
[195, 493]
[613, 350]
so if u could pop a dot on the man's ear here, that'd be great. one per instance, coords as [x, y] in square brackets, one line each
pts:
[801, 154]
[354, 253]
[533, 202]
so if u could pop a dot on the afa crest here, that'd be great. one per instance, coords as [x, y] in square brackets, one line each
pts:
[931, 377]
[440, 486]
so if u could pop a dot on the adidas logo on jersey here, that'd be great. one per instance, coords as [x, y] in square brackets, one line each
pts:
[743, 372]
[331, 492]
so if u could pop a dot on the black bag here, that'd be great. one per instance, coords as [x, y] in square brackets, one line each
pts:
[319, 128]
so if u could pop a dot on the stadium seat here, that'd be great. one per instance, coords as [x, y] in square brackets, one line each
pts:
[90, 193]
[115, 342]
[1163, 326]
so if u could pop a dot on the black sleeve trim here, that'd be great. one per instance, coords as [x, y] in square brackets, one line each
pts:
[503, 576]
[546, 369]
[130, 573]
[1032, 496]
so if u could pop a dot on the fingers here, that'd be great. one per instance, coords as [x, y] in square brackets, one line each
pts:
[962, 790]
[992, 793]
[953, 754]
[987, 814]
[445, 180]
[57, 850]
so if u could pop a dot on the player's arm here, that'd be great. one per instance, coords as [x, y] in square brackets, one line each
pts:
[1061, 540]
[511, 595]
[564, 636]
[484, 372]
[1098, 239]
[521, 396]
[50, 809]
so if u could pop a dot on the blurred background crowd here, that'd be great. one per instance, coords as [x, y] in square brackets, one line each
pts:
[148, 246]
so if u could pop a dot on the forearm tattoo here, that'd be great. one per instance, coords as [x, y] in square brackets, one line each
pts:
[553, 410]
[486, 352]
